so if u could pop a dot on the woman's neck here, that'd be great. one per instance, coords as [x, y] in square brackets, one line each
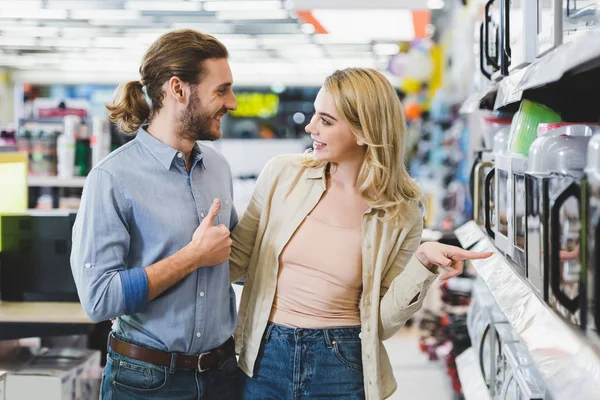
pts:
[345, 174]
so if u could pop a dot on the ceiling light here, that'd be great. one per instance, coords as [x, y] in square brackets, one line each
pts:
[387, 49]
[106, 14]
[31, 31]
[62, 42]
[17, 41]
[435, 4]
[83, 5]
[252, 15]
[20, 5]
[211, 28]
[163, 5]
[285, 40]
[341, 39]
[242, 5]
[390, 24]
[33, 14]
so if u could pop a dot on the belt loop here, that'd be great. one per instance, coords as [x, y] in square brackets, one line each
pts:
[173, 363]
[328, 340]
[267, 334]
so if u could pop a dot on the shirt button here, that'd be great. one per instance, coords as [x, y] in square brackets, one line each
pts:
[88, 265]
[198, 334]
[201, 294]
[202, 215]
[179, 155]
[360, 335]
[368, 246]
[226, 202]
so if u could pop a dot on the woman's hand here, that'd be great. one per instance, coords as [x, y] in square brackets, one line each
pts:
[433, 255]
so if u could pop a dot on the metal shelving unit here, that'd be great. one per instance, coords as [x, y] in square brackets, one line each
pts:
[570, 59]
[568, 361]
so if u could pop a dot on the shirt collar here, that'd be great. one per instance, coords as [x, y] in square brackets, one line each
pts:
[315, 173]
[161, 151]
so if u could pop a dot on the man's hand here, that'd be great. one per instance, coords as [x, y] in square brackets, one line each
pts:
[451, 258]
[211, 244]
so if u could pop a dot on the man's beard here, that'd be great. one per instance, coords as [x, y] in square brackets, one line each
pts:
[196, 123]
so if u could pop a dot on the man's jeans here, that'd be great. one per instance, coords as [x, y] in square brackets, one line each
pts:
[295, 364]
[128, 379]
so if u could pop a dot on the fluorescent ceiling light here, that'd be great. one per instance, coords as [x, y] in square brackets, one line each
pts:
[274, 40]
[122, 23]
[435, 4]
[253, 15]
[210, 28]
[17, 42]
[33, 14]
[105, 14]
[340, 39]
[111, 43]
[146, 5]
[84, 5]
[242, 5]
[63, 42]
[388, 24]
[387, 49]
[31, 31]
[82, 32]
[22, 5]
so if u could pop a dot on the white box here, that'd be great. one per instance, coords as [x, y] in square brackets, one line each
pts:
[58, 374]
[50, 384]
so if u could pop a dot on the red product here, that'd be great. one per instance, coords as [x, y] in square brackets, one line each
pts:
[58, 112]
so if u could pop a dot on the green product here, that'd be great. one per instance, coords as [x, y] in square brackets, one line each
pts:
[525, 124]
[83, 157]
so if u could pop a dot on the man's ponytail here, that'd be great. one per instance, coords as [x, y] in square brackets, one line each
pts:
[129, 110]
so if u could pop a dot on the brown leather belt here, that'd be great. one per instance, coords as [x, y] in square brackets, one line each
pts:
[202, 362]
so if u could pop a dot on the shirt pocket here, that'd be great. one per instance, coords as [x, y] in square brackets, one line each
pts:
[224, 216]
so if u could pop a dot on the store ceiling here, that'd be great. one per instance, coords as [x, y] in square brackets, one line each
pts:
[292, 42]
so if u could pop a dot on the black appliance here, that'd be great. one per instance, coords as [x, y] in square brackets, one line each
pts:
[34, 257]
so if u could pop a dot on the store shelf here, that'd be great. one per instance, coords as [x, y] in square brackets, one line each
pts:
[567, 361]
[508, 92]
[575, 57]
[471, 380]
[54, 181]
[481, 100]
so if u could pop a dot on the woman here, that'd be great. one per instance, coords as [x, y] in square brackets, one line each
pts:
[327, 245]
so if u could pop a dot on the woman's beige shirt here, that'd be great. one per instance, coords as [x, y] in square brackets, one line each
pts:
[285, 194]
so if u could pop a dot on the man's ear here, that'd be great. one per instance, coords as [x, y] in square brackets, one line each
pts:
[177, 89]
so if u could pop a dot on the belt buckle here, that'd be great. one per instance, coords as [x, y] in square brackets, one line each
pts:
[199, 360]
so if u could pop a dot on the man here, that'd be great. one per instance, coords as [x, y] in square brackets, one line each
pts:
[146, 250]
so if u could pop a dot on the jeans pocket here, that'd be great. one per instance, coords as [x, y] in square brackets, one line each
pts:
[138, 376]
[230, 368]
[349, 354]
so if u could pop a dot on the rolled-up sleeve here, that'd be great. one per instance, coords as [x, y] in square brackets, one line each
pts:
[106, 288]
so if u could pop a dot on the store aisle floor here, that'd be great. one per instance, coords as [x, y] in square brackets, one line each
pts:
[418, 378]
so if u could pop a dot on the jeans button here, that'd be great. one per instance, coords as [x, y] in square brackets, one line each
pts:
[299, 331]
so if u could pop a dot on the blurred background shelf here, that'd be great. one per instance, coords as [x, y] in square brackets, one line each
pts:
[54, 181]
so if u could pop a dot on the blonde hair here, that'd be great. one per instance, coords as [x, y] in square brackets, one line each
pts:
[178, 53]
[366, 100]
